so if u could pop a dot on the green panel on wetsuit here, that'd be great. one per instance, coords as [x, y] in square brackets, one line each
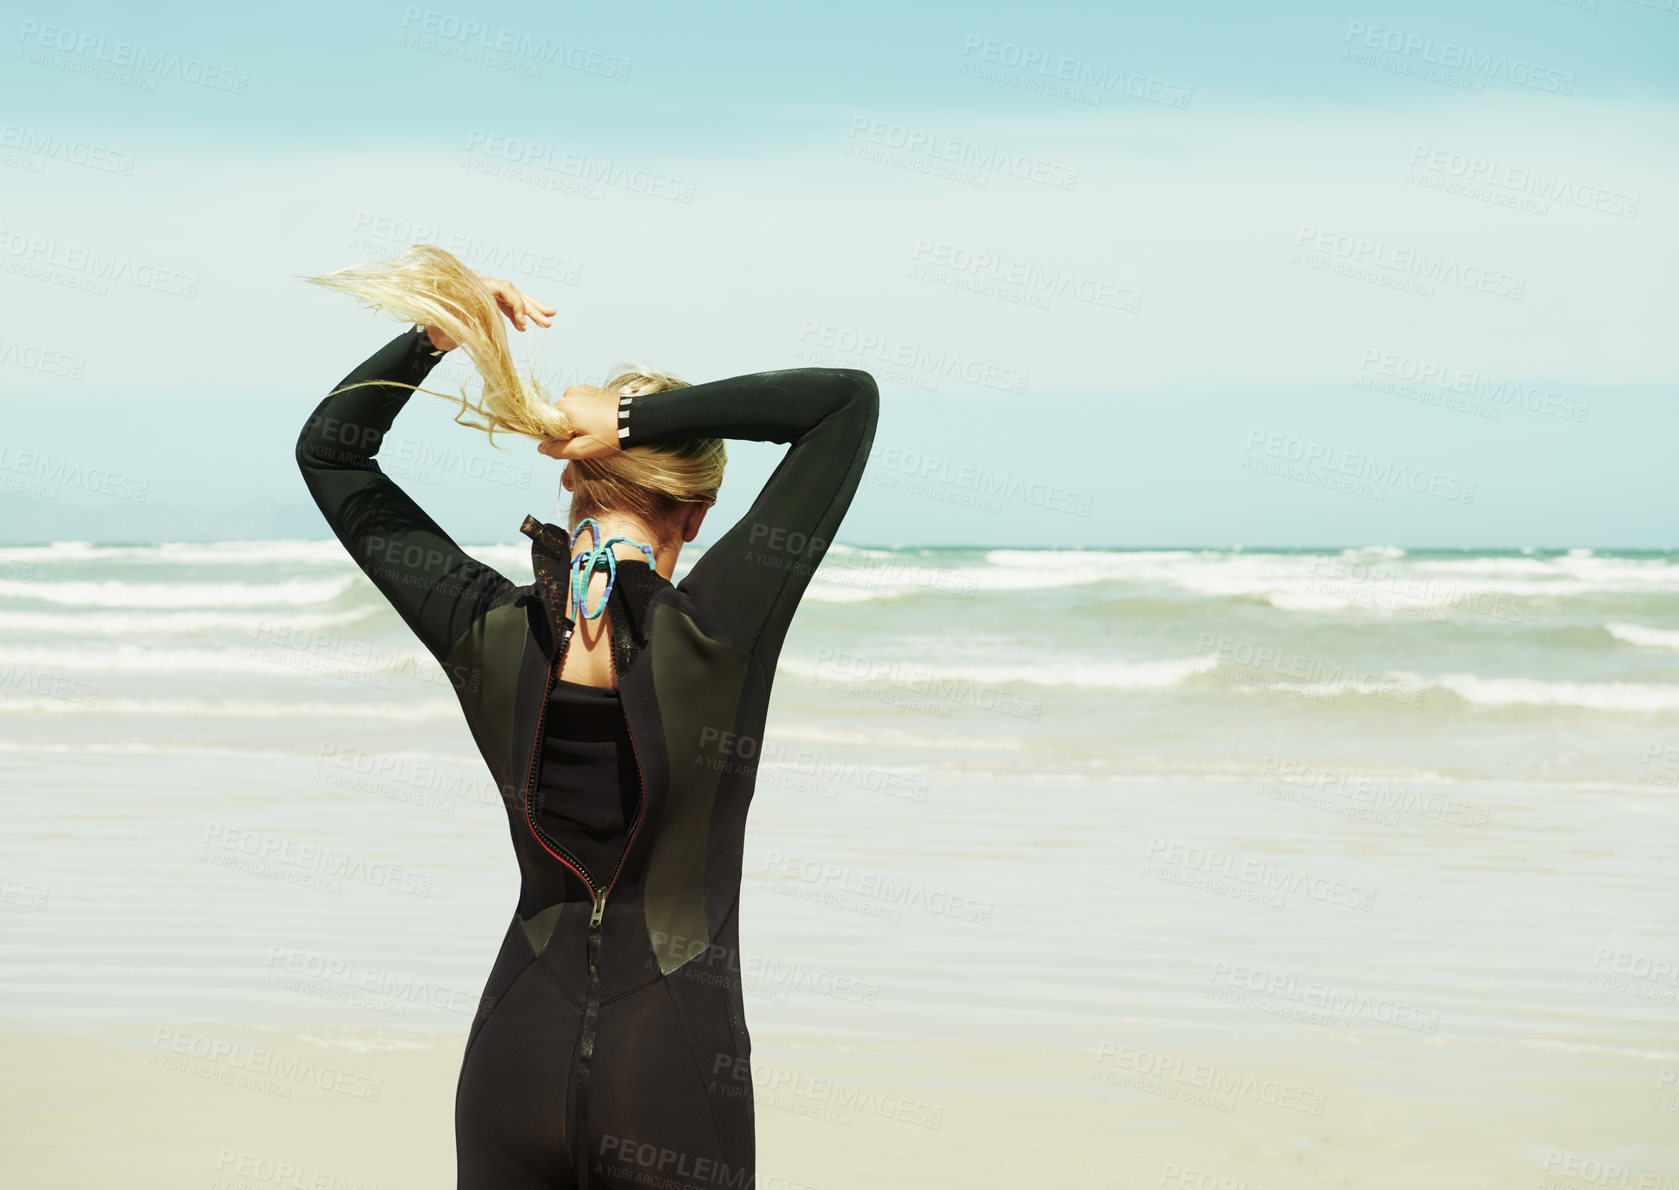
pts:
[540, 928]
[698, 683]
[491, 651]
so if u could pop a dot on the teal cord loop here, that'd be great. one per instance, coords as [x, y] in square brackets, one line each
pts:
[584, 565]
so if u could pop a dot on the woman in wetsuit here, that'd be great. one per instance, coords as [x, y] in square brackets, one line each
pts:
[610, 1047]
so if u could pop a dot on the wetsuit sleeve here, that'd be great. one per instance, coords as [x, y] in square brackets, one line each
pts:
[437, 588]
[752, 578]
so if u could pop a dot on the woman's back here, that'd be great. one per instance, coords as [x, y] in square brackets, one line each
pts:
[587, 786]
[615, 1006]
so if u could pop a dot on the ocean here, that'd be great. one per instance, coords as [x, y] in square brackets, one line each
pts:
[1071, 795]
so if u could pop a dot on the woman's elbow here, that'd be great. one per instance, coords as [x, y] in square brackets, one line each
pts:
[859, 385]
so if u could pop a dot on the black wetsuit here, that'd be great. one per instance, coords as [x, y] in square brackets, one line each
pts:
[610, 1047]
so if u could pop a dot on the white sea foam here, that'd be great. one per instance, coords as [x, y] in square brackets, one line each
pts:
[1592, 696]
[116, 593]
[884, 577]
[276, 660]
[147, 624]
[1403, 687]
[1377, 578]
[897, 737]
[159, 748]
[1115, 675]
[279, 552]
[1649, 638]
[229, 709]
[1392, 685]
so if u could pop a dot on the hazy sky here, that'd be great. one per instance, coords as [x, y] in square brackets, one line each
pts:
[1300, 274]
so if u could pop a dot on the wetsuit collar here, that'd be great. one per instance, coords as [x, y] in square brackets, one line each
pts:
[551, 563]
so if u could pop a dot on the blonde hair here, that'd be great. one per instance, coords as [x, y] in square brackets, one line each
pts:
[430, 287]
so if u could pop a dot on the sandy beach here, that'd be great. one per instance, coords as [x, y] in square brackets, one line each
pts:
[207, 1107]
[1187, 912]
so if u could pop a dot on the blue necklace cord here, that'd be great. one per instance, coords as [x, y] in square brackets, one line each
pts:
[584, 565]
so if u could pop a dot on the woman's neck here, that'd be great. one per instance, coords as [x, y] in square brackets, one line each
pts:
[616, 524]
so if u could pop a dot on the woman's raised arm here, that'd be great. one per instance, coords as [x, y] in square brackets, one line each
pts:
[437, 588]
[752, 578]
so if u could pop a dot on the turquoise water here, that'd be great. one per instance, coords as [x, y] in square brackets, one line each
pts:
[1050, 791]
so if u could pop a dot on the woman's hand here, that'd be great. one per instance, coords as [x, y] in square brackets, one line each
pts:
[519, 307]
[593, 413]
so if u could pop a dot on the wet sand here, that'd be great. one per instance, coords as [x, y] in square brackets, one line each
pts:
[213, 1107]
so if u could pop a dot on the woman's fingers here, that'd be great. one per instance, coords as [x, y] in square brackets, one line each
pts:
[536, 309]
[559, 448]
[582, 446]
[518, 305]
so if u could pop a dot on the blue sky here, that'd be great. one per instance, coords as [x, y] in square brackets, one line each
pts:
[1302, 274]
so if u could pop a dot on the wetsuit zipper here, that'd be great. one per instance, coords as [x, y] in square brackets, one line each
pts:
[597, 914]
